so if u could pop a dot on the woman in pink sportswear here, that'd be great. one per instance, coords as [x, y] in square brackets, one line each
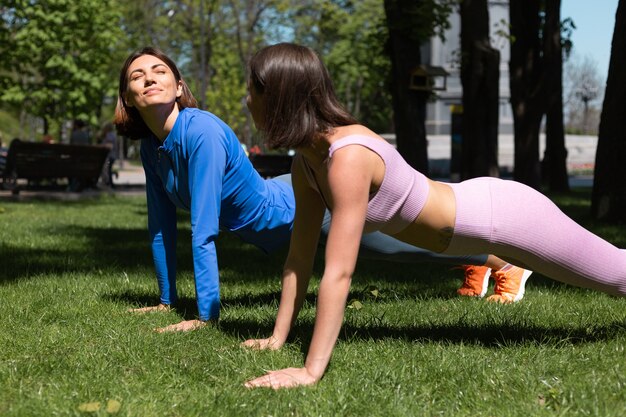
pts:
[367, 186]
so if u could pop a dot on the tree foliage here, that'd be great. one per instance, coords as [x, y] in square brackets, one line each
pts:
[60, 58]
[583, 90]
[56, 56]
[350, 36]
[211, 41]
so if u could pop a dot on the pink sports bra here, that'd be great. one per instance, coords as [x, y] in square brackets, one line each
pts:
[402, 194]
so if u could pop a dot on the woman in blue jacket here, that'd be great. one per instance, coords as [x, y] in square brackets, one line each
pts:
[194, 161]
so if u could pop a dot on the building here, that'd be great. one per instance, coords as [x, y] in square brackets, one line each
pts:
[446, 54]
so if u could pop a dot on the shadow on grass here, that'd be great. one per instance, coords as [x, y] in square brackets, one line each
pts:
[488, 335]
[185, 307]
[85, 249]
[463, 331]
[499, 335]
[106, 249]
[387, 294]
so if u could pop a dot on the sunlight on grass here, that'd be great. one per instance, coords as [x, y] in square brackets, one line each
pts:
[409, 346]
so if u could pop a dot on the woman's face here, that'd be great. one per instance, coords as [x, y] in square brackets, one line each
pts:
[151, 83]
[254, 101]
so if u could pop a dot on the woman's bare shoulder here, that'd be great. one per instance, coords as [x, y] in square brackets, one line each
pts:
[343, 131]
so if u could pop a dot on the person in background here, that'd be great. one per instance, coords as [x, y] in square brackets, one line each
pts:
[3, 156]
[108, 138]
[193, 161]
[346, 168]
[80, 134]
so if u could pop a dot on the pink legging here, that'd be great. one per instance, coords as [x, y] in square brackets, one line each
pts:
[522, 226]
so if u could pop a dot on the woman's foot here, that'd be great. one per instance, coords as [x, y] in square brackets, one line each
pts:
[510, 284]
[476, 281]
[160, 307]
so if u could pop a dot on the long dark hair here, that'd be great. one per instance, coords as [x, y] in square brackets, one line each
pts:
[298, 95]
[128, 121]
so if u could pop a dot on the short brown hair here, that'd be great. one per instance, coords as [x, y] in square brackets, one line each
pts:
[128, 121]
[298, 95]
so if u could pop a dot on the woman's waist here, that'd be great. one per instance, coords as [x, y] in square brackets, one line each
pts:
[261, 208]
[434, 225]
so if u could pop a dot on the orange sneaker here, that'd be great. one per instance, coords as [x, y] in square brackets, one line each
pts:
[510, 285]
[476, 281]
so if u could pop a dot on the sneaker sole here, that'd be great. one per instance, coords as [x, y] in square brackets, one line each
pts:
[522, 286]
[485, 283]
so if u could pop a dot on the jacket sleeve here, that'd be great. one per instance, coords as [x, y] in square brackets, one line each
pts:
[207, 164]
[161, 226]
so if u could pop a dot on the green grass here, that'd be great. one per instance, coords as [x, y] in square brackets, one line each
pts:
[69, 271]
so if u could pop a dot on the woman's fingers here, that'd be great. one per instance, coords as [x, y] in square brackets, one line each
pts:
[284, 378]
[160, 307]
[183, 326]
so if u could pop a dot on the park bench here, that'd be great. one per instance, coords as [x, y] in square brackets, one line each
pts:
[40, 162]
[271, 165]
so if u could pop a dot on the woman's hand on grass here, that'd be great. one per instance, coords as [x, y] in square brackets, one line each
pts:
[284, 378]
[271, 343]
[160, 307]
[183, 326]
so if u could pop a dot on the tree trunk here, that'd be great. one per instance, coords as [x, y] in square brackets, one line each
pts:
[409, 106]
[609, 184]
[554, 166]
[480, 74]
[203, 73]
[527, 88]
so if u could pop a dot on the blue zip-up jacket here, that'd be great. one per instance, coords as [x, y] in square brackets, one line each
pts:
[202, 168]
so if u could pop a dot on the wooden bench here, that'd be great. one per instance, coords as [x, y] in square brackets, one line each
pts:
[38, 161]
[271, 165]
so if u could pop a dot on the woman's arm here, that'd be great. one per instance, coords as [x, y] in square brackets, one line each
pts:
[349, 177]
[205, 154]
[207, 166]
[299, 264]
[162, 229]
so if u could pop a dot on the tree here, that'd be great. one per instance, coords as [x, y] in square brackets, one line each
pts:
[196, 41]
[351, 36]
[554, 164]
[248, 21]
[480, 75]
[527, 84]
[583, 91]
[211, 41]
[57, 57]
[142, 22]
[226, 92]
[189, 40]
[411, 23]
[609, 185]
[535, 71]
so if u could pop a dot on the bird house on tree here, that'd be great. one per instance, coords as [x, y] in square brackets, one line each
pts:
[428, 78]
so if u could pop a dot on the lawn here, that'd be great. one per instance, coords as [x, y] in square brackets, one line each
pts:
[409, 346]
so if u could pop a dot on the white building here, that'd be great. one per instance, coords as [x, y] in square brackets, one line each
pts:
[446, 54]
